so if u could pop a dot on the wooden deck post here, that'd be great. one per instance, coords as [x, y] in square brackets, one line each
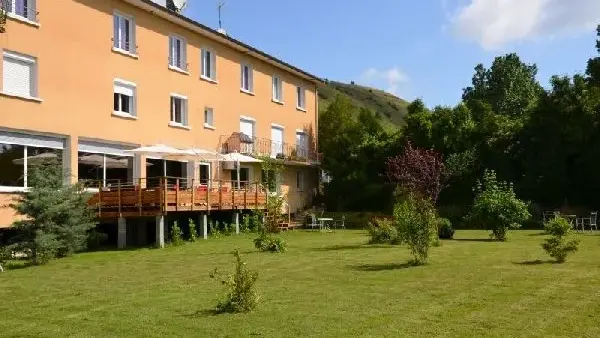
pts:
[256, 197]
[177, 194]
[163, 184]
[193, 194]
[119, 196]
[232, 197]
[220, 195]
[246, 197]
[208, 196]
[140, 195]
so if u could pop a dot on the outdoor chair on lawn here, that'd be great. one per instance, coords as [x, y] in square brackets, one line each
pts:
[313, 222]
[590, 221]
[341, 223]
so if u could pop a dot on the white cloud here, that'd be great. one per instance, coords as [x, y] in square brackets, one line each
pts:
[391, 80]
[495, 23]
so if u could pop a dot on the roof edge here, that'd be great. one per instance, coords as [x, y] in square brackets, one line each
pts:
[210, 33]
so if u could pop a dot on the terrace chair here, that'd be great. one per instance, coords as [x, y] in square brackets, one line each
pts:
[340, 223]
[313, 222]
[591, 221]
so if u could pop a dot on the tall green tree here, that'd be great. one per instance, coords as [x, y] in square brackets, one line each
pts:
[56, 217]
[593, 66]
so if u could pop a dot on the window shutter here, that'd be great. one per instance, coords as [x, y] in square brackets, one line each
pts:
[123, 33]
[184, 112]
[124, 89]
[18, 76]
[250, 79]
[171, 51]
[242, 70]
[116, 31]
[132, 45]
[213, 66]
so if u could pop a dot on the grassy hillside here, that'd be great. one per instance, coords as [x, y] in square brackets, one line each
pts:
[390, 108]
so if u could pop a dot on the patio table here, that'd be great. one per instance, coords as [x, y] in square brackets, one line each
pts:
[323, 222]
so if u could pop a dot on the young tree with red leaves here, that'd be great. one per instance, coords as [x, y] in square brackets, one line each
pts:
[418, 170]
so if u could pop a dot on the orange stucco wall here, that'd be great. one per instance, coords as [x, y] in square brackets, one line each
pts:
[77, 67]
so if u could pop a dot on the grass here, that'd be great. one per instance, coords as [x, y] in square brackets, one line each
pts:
[327, 285]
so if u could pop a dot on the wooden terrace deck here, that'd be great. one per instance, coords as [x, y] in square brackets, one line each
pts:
[128, 200]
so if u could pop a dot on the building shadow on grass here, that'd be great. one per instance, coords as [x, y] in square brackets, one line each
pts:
[535, 262]
[384, 267]
[352, 247]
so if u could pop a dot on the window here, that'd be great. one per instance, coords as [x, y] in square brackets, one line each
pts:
[95, 169]
[300, 181]
[301, 145]
[174, 171]
[247, 128]
[124, 98]
[19, 75]
[243, 179]
[247, 78]
[16, 160]
[276, 141]
[23, 8]
[271, 180]
[277, 89]
[124, 33]
[205, 173]
[209, 64]
[178, 110]
[177, 53]
[208, 117]
[301, 98]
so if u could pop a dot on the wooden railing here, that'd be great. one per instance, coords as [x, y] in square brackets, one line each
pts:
[172, 194]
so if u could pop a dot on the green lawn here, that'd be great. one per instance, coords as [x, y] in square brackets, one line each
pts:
[327, 285]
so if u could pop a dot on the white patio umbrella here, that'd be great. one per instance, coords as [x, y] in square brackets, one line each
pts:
[158, 150]
[203, 154]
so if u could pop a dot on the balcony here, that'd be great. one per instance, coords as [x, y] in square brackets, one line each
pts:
[257, 147]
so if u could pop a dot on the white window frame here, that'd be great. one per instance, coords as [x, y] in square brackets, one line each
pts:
[183, 67]
[184, 111]
[118, 46]
[209, 123]
[30, 16]
[249, 82]
[33, 81]
[133, 103]
[208, 74]
[277, 87]
[300, 181]
[301, 98]
[302, 149]
[209, 165]
[277, 147]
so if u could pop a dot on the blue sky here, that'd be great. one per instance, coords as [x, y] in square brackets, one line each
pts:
[413, 48]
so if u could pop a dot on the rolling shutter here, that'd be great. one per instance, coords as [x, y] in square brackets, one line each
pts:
[18, 75]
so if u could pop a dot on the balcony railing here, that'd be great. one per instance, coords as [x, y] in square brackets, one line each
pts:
[241, 143]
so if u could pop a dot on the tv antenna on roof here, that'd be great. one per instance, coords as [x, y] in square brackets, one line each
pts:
[220, 5]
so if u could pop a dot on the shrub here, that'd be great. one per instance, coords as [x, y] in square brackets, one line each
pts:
[383, 231]
[241, 296]
[5, 256]
[252, 222]
[176, 235]
[56, 217]
[193, 231]
[496, 207]
[214, 229]
[416, 222]
[558, 247]
[267, 242]
[445, 230]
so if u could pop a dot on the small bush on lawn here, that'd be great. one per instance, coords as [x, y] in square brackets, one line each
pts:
[176, 235]
[214, 229]
[252, 222]
[416, 222]
[193, 231]
[5, 256]
[383, 231]
[445, 230]
[496, 207]
[558, 247]
[241, 295]
[269, 243]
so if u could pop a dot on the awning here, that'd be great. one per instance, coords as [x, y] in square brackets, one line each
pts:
[237, 157]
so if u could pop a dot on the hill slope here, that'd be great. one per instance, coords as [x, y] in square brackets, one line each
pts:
[391, 109]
